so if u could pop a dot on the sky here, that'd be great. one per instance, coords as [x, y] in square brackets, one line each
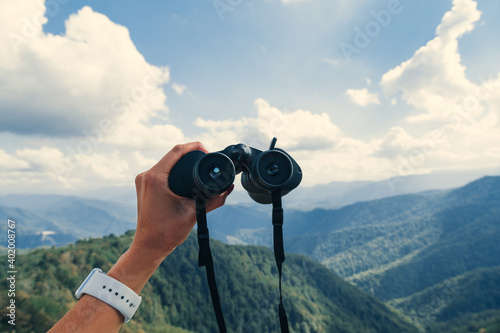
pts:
[94, 92]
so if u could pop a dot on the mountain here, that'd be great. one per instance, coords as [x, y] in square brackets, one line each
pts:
[398, 248]
[467, 303]
[59, 220]
[341, 193]
[177, 297]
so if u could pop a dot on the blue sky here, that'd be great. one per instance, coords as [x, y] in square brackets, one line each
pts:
[420, 93]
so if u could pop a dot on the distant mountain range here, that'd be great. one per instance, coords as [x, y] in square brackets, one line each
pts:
[339, 194]
[331, 195]
[54, 220]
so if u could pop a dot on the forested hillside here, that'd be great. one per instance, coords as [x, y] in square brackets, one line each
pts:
[417, 245]
[465, 303]
[177, 297]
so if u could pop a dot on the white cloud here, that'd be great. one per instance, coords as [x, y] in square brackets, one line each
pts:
[89, 85]
[49, 168]
[9, 162]
[40, 159]
[434, 80]
[296, 130]
[362, 97]
[178, 88]
[465, 127]
[60, 85]
[395, 143]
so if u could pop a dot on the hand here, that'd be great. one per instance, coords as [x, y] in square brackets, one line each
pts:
[165, 219]
[164, 222]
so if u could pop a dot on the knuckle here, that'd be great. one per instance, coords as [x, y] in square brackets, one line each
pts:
[138, 179]
[178, 149]
[150, 178]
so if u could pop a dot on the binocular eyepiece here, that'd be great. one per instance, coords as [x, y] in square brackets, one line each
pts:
[198, 174]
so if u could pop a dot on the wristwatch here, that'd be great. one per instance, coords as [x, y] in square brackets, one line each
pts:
[110, 291]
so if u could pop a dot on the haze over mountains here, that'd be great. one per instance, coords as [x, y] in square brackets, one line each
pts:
[54, 220]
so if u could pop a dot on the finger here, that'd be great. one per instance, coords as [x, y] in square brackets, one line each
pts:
[173, 156]
[219, 200]
[138, 189]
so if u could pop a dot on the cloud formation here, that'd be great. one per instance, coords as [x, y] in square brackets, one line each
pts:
[101, 109]
[297, 130]
[463, 115]
[59, 85]
[434, 80]
[178, 88]
[90, 86]
[362, 97]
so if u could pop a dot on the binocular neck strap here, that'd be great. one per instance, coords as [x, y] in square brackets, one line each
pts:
[279, 252]
[205, 259]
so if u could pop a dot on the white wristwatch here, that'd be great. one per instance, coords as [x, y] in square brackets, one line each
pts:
[110, 291]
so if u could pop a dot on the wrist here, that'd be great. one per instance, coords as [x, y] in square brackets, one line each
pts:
[135, 268]
[154, 249]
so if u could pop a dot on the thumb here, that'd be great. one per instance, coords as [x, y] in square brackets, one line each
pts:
[219, 200]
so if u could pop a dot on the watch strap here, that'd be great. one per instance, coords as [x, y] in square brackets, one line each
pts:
[110, 291]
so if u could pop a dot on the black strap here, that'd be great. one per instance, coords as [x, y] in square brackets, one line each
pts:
[279, 253]
[205, 259]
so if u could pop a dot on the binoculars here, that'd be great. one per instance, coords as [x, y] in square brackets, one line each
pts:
[201, 175]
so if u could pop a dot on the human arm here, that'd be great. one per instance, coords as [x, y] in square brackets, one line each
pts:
[164, 222]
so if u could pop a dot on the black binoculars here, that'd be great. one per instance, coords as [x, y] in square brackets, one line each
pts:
[198, 174]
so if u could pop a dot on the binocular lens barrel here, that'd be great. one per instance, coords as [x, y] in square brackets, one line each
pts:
[273, 169]
[213, 174]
